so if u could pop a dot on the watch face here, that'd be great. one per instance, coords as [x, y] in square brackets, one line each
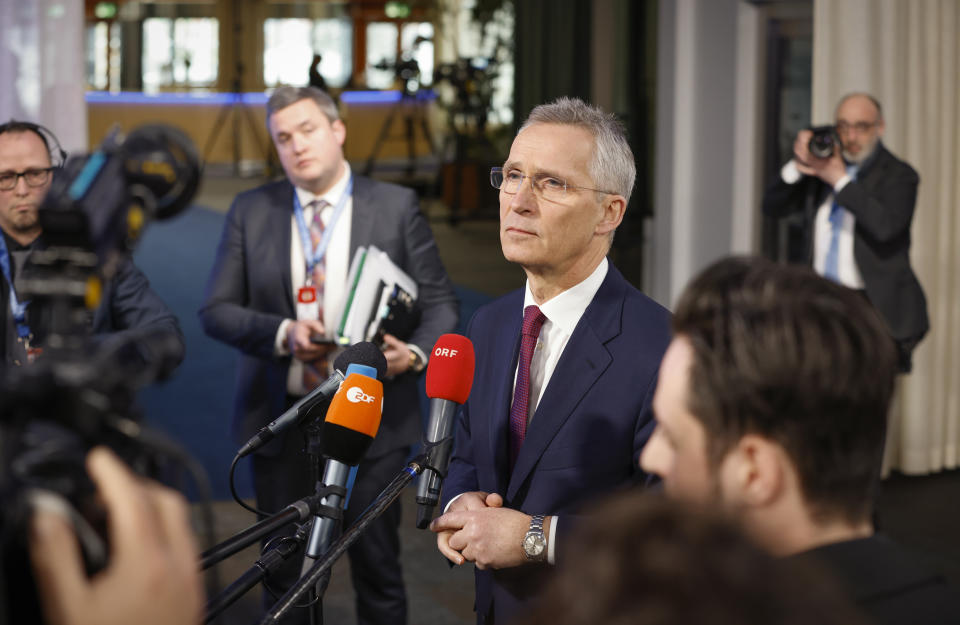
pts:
[533, 544]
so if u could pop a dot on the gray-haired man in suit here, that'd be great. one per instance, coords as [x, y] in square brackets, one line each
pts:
[258, 300]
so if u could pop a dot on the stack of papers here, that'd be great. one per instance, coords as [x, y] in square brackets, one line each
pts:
[373, 281]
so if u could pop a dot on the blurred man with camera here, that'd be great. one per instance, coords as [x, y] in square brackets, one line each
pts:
[29, 157]
[857, 202]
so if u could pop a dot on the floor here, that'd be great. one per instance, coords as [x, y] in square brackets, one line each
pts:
[919, 511]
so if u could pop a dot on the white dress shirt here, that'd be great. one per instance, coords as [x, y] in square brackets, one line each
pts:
[563, 313]
[337, 259]
[848, 272]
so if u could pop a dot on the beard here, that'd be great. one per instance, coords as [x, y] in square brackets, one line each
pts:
[867, 148]
[26, 221]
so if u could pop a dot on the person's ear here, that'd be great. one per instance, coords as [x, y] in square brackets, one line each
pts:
[614, 206]
[756, 470]
[339, 131]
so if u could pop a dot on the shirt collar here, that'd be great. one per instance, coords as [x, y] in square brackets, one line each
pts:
[564, 310]
[332, 196]
[14, 246]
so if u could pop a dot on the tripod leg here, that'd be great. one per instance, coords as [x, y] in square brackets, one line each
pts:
[262, 149]
[217, 126]
[381, 137]
[411, 147]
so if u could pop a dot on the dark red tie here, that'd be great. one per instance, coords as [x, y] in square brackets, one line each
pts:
[533, 320]
[315, 371]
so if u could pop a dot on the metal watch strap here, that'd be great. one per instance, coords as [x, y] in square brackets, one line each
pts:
[416, 365]
[533, 535]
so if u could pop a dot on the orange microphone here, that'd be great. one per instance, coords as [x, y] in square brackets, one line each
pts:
[351, 424]
[353, 418]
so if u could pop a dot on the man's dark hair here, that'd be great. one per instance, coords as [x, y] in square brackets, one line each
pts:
[647, 560]
[57, 155]
[788, 355]
[282, 97]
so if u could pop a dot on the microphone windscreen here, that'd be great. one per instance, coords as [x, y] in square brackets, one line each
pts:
[353, 419]
[450, 370]
[362, 353]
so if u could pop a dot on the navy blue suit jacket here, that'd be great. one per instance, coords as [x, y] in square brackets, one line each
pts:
[249, 294]
[588, 430]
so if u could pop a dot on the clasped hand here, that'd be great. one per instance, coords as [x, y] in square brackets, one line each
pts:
[477, 528]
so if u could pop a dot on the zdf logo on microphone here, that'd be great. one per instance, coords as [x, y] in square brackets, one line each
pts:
[356, 395]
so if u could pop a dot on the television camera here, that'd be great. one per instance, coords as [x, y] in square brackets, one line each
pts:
[79, 393]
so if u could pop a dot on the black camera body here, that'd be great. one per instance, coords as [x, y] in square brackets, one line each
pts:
[79, 393]
[824, 142]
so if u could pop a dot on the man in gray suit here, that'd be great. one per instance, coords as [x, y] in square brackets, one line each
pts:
[277, 282]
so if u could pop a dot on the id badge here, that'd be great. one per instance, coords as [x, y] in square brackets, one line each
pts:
[308, 306]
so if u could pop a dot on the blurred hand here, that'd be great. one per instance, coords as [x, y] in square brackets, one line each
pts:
[298, 339]
[397, 354]
[153, 577]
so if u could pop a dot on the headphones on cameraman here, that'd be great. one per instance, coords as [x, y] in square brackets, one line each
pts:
[58, 156]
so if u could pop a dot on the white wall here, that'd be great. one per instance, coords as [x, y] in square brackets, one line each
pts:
[41, 67]
[709, 66]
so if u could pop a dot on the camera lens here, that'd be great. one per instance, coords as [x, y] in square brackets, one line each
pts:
[823, 141]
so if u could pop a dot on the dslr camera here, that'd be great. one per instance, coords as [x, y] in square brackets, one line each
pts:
[824, 141]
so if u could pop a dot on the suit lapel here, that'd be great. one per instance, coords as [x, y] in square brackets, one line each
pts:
[276, 238]
[361, 227]
[583, 360]
[506, 346]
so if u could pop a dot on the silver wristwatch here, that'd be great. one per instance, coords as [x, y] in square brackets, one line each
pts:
[534, 542]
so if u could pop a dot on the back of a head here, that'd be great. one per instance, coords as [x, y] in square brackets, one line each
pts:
[783, 353]
[640, 559]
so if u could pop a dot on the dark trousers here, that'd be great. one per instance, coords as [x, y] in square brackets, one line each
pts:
[374, 559]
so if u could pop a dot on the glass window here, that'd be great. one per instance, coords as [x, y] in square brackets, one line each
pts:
[286, 51]
[487, 52]
[416, 40]
[333, 41]
[290, 43]
[381, 54]
[180, 51]
[97, 54]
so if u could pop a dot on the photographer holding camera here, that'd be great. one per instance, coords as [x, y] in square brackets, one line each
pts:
[153, 577]
[29, 157]
[857, 200]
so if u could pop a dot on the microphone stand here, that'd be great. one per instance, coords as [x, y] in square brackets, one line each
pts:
[267, 564]
[297, 511]
[270, 561]
[319, 539]
[323, 565]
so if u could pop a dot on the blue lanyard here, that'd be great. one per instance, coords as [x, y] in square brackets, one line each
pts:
[315, 255]
[17, 308]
